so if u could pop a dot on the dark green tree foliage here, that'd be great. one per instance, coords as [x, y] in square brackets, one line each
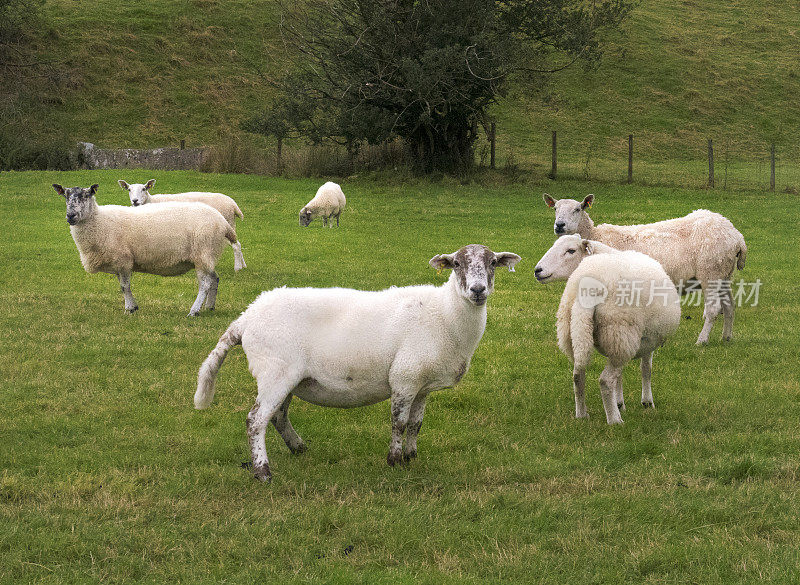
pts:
[425, 71]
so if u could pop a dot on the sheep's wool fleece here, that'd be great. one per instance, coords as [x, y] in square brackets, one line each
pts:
[165, 239]
[640, 311]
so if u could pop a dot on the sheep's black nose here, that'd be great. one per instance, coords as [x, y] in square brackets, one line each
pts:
[477, 289]
[560, 225]
[537, 271]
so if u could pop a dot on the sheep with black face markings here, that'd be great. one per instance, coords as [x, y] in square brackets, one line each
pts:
[168, 240]
[327, 203]
[621, 303]
[345, 348]
[702, 248]
[140, 195]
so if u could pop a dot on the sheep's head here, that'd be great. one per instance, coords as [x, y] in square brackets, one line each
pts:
[79, 202]
[305, 217]
[473, 267]
[569, 213]
[139, 194]
[561, 260]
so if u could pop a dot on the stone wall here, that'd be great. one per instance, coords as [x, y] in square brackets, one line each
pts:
[162, 159]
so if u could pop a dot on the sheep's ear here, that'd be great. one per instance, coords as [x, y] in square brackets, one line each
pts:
[549, 200]
[60, 190]
[149, 184]
[442, 261]
[93, 189]
[587, 247]
[507, 259]
[587, 201]
[124, 185]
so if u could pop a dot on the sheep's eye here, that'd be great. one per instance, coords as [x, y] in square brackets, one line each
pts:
[571, 251]
[575, 210]
[494, 262]
[457, 263]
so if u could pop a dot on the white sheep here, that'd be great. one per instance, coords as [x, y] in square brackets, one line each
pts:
[345, 348]
[621, 303]
[327, 203]
[702, 248]
[168, 239]
[140, 194]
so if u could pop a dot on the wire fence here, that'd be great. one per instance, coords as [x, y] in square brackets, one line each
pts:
[728, 164]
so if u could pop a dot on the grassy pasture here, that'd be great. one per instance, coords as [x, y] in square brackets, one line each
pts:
[109, 474]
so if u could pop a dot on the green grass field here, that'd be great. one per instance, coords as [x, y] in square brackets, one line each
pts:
[110, 475]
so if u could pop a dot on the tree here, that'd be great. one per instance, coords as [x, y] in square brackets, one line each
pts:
[426, 71]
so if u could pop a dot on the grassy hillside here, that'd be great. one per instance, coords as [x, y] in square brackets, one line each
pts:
[681, 71]
[108, 474]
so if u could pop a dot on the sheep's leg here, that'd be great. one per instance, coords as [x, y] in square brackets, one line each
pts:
[401, 409]
[125, 287]
[324, 221]
[284, 427]
[711, 311]
[211, 299]
[203, 286]
[609, 379]
[337, 218]
[579, 387]
[272, 393]
[238, 259]
[727, 314]
[618, 395]
[647, 391]
[414, 425]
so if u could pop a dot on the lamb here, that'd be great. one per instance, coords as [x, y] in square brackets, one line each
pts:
[702, 248]
[140, 194]
[621, 303]
[168, 239]
[327, 203]
[344, 348]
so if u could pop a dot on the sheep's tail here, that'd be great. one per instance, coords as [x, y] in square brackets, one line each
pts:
[237, 212]
[582, 334]
[230, 234]
[208, 371]
[741, 255]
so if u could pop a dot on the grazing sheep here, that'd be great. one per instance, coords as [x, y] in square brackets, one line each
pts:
[621, 303]
[327, 203]
[344, 348]
[140, 194]
[700, 248]
[168, 239]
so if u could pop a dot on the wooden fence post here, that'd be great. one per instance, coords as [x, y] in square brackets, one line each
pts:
[772, 168]
[710, 163]
[630, 158]
[555, 164]
[492, 145]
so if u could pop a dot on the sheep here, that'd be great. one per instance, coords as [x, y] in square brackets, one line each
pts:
[621, 303]
[327, 203]
[140, 194]
[344, 348]
[166, 239]
[702, 248]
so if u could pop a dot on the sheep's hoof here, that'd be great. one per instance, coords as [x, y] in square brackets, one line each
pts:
[621, 405]
[193, 314]
[394, 457]
[648, 405]
[297, 449]
[701, 342]
[262, 472]
[132, 311]
[728, 338]
[409, 456]
[618, 421]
